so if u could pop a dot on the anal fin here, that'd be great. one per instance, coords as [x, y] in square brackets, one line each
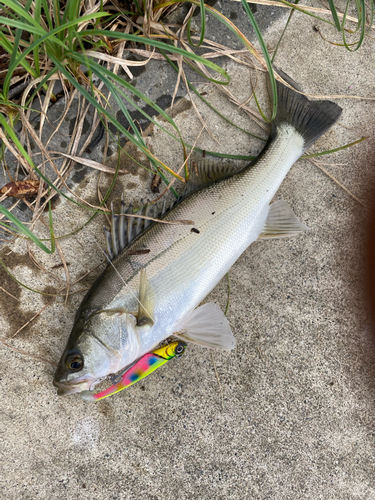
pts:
[207, 326]
[281, 222]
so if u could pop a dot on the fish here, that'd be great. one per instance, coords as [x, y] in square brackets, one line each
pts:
[158, 274]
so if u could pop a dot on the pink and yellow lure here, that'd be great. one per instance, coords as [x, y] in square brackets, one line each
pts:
[143, 367]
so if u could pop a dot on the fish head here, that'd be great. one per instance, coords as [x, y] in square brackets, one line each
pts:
[97, 347]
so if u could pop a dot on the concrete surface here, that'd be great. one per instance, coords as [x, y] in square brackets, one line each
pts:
[295, 417]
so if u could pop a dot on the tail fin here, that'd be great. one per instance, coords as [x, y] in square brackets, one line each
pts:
[310, 118]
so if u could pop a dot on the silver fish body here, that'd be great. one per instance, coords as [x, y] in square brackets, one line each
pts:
[183, 263]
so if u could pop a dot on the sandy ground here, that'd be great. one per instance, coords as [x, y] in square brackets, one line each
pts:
[292, 417]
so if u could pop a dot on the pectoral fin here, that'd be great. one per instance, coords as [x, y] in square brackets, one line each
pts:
[207, 326]
[145, 301]
[281, 222]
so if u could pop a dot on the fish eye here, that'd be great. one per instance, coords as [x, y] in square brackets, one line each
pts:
[74, 362]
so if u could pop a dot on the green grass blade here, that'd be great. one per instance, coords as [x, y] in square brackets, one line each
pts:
[6, 45]
[46, 36]
[258, 106]
[37, 13]
[334, 150]
[361, 13]
[332, 7]
[26, 231]
[22, 12]
[203, 25]
[56, 12]
[265, 55]
[283, 33]
[16, 42]
[101, 70]
[21, 25]
[47, 14]
[72, 8]
[9, 130]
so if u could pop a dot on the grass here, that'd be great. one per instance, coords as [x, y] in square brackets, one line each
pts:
[62, 38]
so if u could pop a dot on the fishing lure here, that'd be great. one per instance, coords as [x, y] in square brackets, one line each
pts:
[146, 365]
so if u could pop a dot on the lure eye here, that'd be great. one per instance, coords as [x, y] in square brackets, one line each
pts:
[74, 363]
[180, 349]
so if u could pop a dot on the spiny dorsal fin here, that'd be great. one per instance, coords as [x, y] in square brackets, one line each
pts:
[125, 229]
[281, 222]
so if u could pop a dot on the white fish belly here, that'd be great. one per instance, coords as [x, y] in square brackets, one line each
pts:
[229, 216]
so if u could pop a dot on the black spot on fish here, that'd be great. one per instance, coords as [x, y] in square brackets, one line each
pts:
[139, 252]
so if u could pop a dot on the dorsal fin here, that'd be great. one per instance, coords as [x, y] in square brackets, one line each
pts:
[206, 171]
[125, 229]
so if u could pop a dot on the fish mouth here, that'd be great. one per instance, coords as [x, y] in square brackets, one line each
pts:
[66, 388]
